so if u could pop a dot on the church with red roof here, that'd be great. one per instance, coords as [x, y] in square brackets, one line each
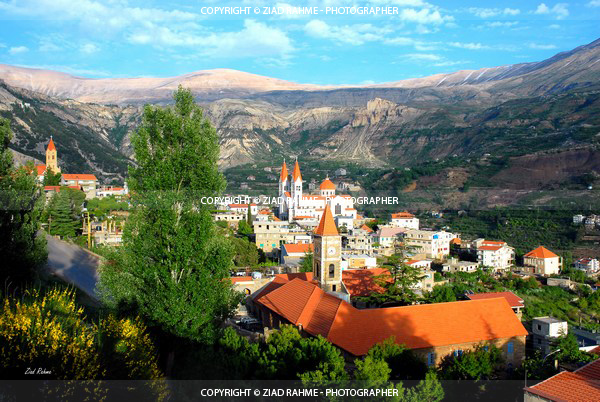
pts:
[296, 204]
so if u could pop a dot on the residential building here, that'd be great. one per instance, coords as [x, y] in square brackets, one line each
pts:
[496, 255]
[231, 217]
[293, 254]
[578, 219]
[358, 261]
[387, 237]
[340, 172]
[427, 281]
[242, 209]
[117, 192]
[545, 330]
[454, 265]
[542, 261]
[429, 243]
[580, 385]
[106, 233]
[358, 240]
[589, 265]
[87, 182]
[270, 235]
[465, 324]
[51, 190]
[404, 220]
[515, 302]
[296, 203]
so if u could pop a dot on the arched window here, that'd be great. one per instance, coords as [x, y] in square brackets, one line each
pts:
[331, 270]
[338, 209]
[317, 272]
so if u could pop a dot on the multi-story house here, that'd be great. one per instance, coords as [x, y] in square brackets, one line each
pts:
[405, 220]
[545, 331]
[429, 243]
[270, 235]
[542, 261]
[589, 265]
[454, 265]
[496, 255]
[87, 182]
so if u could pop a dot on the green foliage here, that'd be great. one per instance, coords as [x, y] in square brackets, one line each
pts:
[536, 367]
[403, 363]
[174, 264]
[567, 350]
[245, 253]
[102, 207]
[244, 228]
[64, 212]
[441, 294]
[477, 364]
[399, 282]
[51, 178]
[21, 202]
[306, 265]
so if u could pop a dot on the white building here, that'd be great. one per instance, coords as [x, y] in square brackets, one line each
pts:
[494, 254]
[578, 219]
[431, 243]
[542, 261]
[108, 191]
[296, 203]
[405, 220]
[242, 209]
[588, 265]
[387, 237]
[454, 265]
[545, 330]
[358, 261]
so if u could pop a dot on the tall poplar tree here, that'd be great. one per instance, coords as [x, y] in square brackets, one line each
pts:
[20, 207]
[174, 265]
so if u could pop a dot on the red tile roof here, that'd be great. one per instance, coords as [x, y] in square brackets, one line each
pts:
[541, 252]
[490, 248]
[240, 205]
[284, 172]
[77, 176]
[298, 248]
[368, 229]
[327, 224]
[582, 385]
[417, 326]
[40, 169]
[58, 188]
[511, 298]
[403, 215]
[493, 243]
[361, 282]
[236, 279]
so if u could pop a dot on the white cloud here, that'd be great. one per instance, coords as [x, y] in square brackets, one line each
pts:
[493, 12]
[559, 10]
[593, 3]
[469, 46]
[18, 49]
[424, 16]
[89, 48]
[422, 57]
[356, 34]
[500, 24]
[554, 26]
[539, 46]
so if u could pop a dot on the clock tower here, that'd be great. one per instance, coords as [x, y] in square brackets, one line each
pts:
[327, 254]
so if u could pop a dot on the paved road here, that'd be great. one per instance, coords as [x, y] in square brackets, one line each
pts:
[73, 264]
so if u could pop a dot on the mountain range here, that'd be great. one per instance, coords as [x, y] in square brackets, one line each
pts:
[508, 111]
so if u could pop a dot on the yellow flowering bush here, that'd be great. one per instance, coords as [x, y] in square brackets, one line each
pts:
[48, 331]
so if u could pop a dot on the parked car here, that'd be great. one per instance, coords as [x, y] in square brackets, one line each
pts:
[256, 275]
[240, 273]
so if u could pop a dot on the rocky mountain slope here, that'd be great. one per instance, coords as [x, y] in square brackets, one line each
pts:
[504, 111]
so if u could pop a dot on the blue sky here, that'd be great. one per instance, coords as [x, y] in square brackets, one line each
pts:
[132, 38]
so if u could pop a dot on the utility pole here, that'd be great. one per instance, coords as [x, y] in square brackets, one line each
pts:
[89, 229]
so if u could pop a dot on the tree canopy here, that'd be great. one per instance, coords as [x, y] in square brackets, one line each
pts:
[173, 265]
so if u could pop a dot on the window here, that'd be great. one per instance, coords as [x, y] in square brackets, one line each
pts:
[262, 245]
[486, 348]
[331, 270]
[510, 348]
[338, 209]
[274, 245]
[430, 358]
[333, 288]
[539, 327]
[318, 269]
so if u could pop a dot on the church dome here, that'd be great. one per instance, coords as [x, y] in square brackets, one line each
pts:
[327, 185]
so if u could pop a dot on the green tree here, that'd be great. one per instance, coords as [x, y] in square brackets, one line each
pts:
[398, 282]
[442, 294]
[21, 202]
[244, 228]
[403, 363]
[64, 212]
[428, 390]
[567, 350]
[245, 253]
[306, 265]
[173, 266]
[477, 364]
[51, 178]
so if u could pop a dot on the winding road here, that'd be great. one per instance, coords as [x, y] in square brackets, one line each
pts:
[74, 265]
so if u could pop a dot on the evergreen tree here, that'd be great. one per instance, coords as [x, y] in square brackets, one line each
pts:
[306, 265]
[20, 209]
[64, 212]
[51, 178]
[174, 265]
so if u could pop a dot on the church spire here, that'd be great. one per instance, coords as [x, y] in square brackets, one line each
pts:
[327, 225]
[296, 173]
[284, 172]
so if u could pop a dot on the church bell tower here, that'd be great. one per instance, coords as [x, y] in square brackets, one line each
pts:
[327, 256]
[52, 157]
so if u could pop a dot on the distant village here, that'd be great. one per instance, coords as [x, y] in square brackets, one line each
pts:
[346, 250]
